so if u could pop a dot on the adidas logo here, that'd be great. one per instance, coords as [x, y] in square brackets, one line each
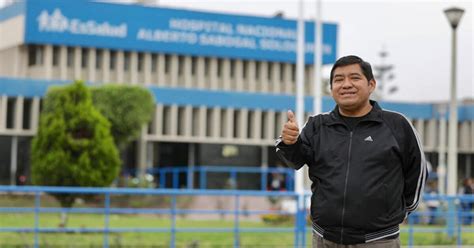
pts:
[369, 138]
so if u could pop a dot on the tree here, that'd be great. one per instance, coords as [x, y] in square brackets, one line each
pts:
[126, 107]
[73, 146]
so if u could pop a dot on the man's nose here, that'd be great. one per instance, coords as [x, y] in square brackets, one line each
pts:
[346, 83]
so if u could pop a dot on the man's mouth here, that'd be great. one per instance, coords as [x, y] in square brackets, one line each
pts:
[348, 93]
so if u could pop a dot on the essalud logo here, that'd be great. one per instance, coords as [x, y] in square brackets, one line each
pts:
[56, 22]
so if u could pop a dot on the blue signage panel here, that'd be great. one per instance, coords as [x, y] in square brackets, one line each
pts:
[139, 28]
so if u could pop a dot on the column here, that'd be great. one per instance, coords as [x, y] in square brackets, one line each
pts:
[281, 121]
[161, 70]
[256, 128]
[106, 66]
[188, 78]
[119, 69]
[77, 63]
[133, 68]
[419, 126]
[174, 120]
[228, 124]
[464, 136]
[201, 83]
[238, 76]
[242, 122]
[63, 63]
[18, 123]
[226, 74]
[275, 80]
[147, 68]
[142, 153]
[14, 159]
[188, 121]
[91, 66]
[215, 122]
[174, 71]
[270, 125]
[262, 78]
[35, 112]
[48, 62]
[288, 81]
[157, 124]
[250, 80]
[3, 112]
[213, 74]
[202, 121]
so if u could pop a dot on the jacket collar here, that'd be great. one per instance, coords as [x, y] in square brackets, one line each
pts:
[375, 114]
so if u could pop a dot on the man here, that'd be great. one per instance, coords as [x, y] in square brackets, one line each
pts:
[366, 164]
[466, 206]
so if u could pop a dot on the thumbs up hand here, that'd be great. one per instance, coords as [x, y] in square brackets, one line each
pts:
[290, 132]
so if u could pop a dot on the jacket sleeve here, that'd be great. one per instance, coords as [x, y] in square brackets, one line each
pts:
[414, 167]
[300, 153]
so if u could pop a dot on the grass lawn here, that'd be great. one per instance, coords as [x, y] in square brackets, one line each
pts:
[134, 239]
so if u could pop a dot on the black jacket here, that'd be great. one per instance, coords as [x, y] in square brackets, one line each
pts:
[365, 181]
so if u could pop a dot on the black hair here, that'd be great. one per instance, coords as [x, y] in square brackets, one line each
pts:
[350, 60]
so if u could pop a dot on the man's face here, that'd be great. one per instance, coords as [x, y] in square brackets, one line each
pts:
[350, 88]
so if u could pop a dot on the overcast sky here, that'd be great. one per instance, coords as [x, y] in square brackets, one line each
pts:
[416, 35]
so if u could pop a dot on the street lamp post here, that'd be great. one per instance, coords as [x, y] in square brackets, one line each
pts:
[454, 17]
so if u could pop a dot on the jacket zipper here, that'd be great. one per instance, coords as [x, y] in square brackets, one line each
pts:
[345, 185]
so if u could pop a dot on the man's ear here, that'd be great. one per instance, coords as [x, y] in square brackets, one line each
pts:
[372, 85]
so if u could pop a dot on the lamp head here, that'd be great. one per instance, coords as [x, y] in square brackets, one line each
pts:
[454, 16]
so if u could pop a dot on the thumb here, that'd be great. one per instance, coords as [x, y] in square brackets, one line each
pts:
[291, 116]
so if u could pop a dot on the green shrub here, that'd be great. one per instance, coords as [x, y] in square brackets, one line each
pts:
[126, 107]
[73, 146]
[277, 219]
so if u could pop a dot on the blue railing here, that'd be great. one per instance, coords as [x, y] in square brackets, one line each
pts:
[453, 216]
[173, 211]
[162, 173]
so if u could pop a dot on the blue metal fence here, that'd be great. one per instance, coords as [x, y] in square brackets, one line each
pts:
[162, 173]
[452, 216]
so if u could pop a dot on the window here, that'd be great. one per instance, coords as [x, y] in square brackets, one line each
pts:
[269, 70]
[84, 57]
[232, 68]
[11, 106]
[193, 65]
[35, 55]
[154, 62]
[220, 63]
[180, 65]
[99, 56]
[293, 72]
[207, 65]
[70, 57]
[56, 55]
[113, 60]
[282, 71]
[27, 109]
[140, 61]
[244, 69]
[126, 61]
[5, 159]
[167, 63]
[257, 68]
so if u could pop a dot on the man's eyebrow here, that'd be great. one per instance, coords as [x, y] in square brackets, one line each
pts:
[355, 74]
